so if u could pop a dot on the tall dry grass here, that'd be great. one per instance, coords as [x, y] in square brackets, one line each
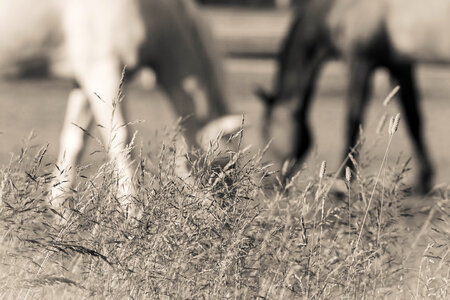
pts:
[222, 233]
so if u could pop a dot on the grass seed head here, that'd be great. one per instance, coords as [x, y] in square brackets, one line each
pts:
[348, 174]
[393, 124]
[285, 168]
[323, 168]
[391, 95]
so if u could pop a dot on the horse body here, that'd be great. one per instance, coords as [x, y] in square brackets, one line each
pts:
[425, 36]
[29, 36]
[107, 30]
[413, 31]
[94, 40]
[394, 34]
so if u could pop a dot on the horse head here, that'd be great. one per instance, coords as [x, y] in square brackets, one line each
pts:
[218, 129]
[302, 54]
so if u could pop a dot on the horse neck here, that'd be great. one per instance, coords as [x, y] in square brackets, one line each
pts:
[305, 48]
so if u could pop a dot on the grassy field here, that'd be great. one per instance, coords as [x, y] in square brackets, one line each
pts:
[224, 232]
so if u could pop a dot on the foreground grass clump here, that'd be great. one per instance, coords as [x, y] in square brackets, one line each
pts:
[218, 234]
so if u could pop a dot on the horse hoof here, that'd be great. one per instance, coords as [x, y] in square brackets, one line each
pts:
[339, 190]
[424, 183]
[423, 188]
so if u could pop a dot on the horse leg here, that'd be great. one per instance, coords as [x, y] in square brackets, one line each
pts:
[409, 100]
[302, 129]
[204, 119]
[200, 124]
[306, 87]
[72, 140]
[358, 96]
[191, 114]
[100, 81]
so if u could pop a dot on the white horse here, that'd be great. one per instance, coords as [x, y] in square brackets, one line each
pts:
[93, 40]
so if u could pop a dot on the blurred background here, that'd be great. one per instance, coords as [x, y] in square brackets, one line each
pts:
[249, 33]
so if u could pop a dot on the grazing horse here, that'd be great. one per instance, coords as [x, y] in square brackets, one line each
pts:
[91, 41]
[366, 34]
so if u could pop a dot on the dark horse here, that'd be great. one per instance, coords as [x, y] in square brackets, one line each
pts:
[366, 34]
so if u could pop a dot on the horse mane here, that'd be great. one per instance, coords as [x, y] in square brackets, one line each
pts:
[307, 12]
[302, 8]
[282, 56]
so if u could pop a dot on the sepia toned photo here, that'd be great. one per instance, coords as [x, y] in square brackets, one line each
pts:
[224, 149]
